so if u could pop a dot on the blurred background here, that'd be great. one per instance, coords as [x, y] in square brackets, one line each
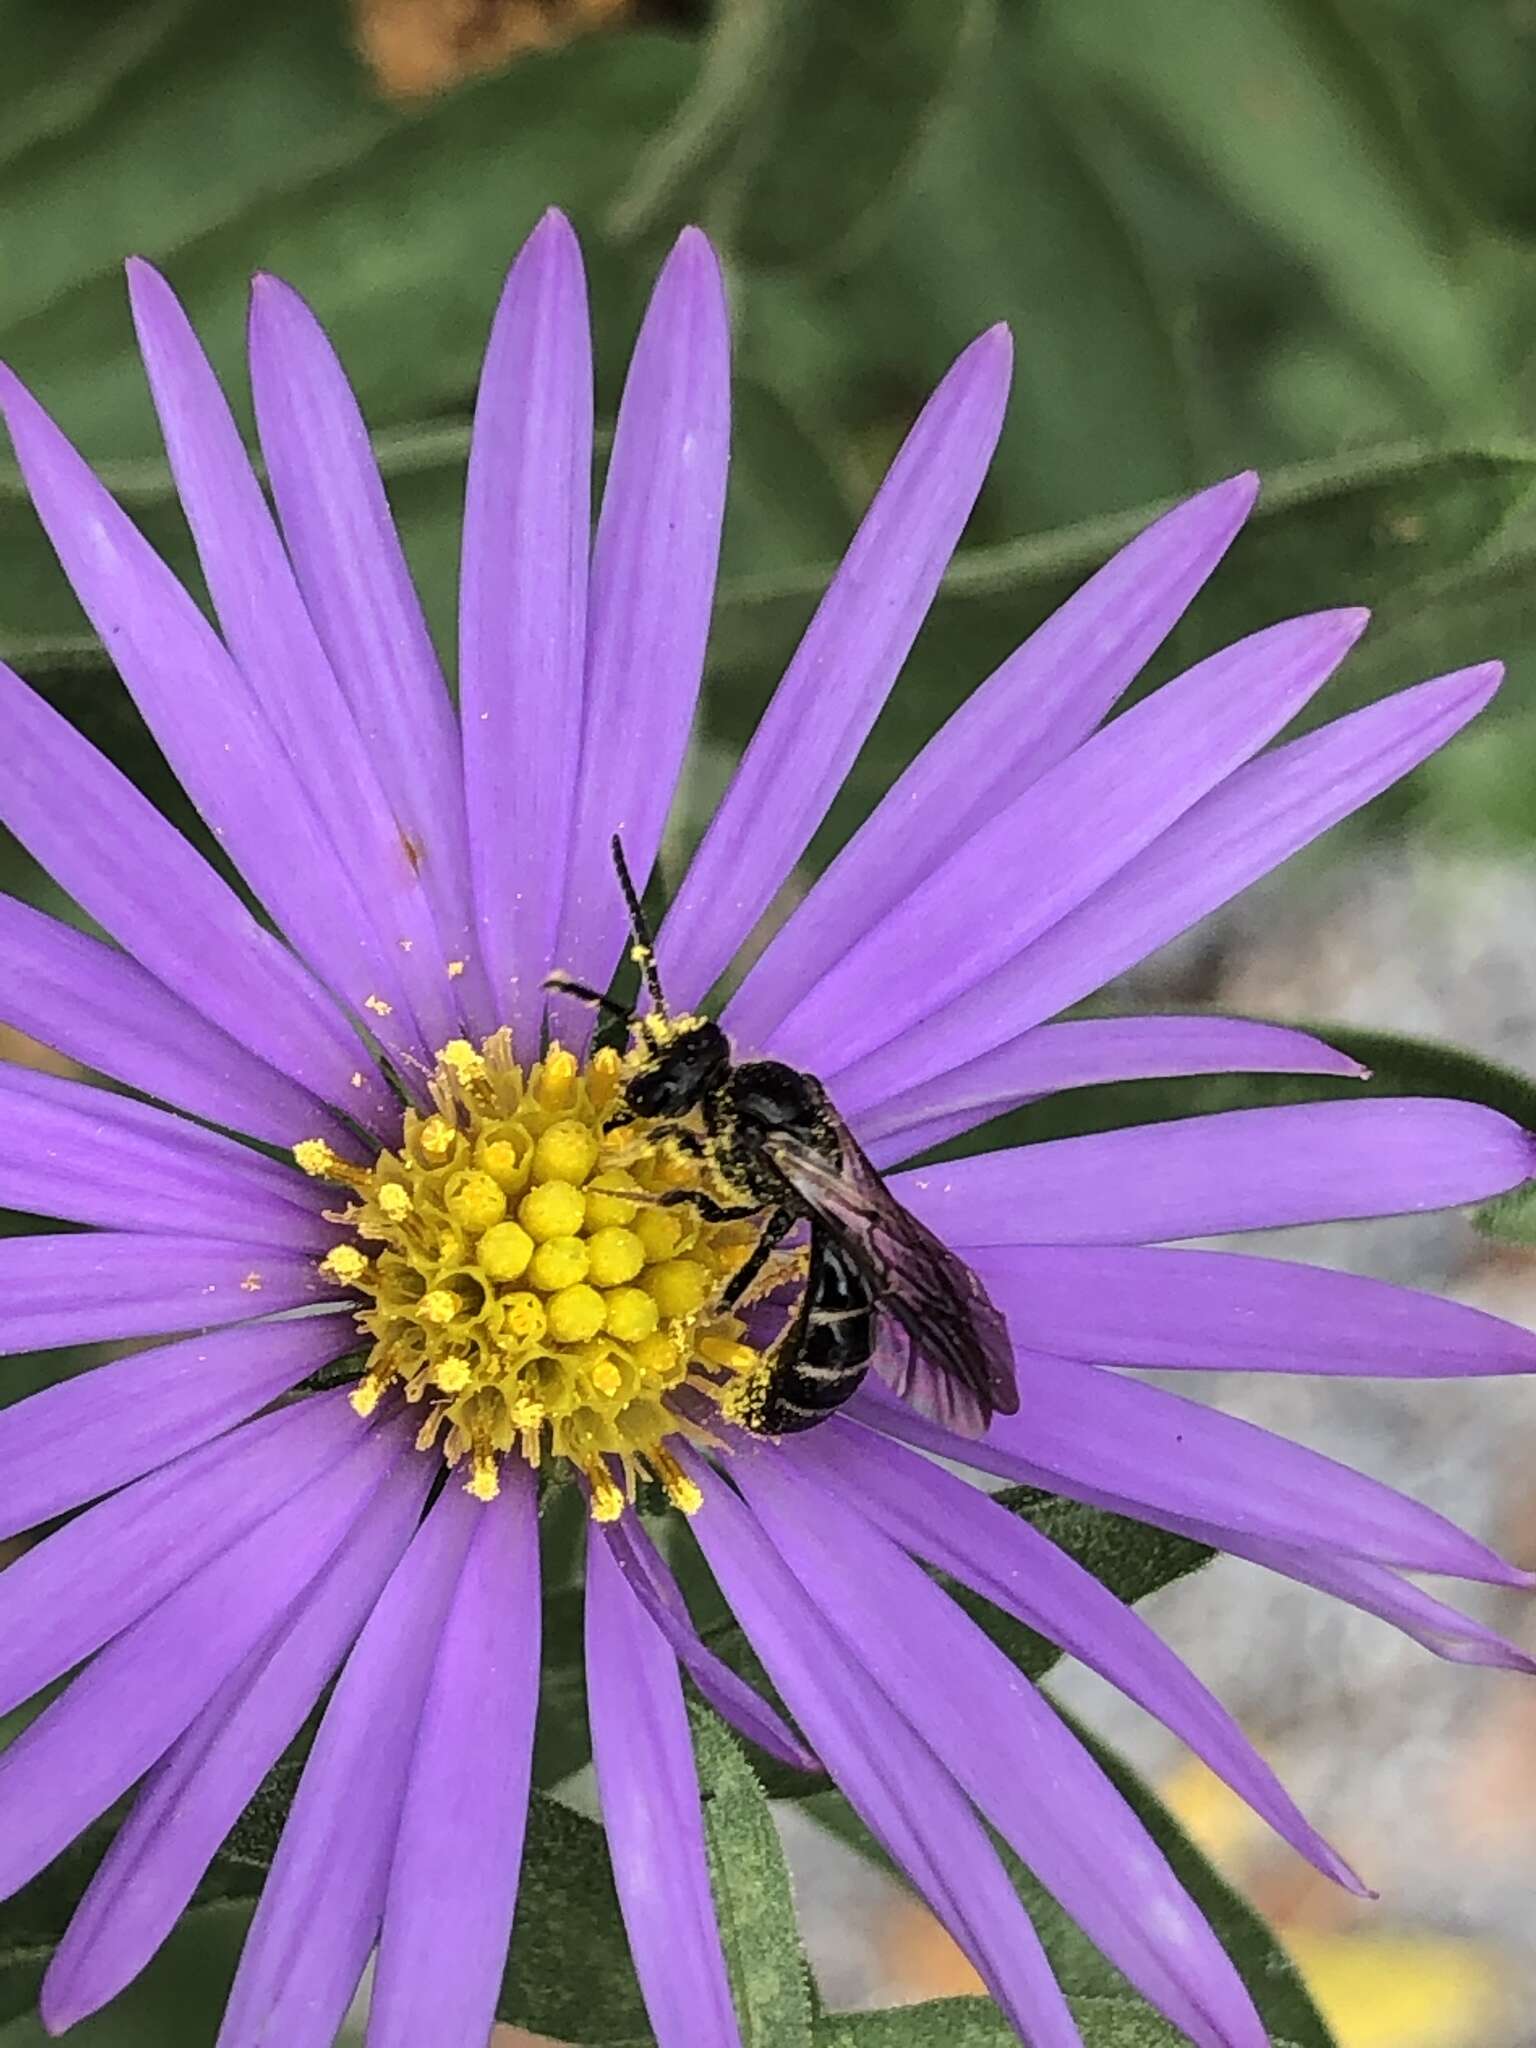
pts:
[1292, 234]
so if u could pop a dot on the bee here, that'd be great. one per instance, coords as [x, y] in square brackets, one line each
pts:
[880, 1288]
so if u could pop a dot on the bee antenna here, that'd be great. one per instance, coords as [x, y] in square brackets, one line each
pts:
[645, 946]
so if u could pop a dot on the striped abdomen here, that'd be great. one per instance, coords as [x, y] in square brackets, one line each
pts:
[826, 1352]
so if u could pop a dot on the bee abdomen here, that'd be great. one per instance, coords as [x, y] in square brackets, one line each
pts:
[827, 1353]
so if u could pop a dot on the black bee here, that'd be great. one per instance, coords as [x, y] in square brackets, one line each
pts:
[779, 1150]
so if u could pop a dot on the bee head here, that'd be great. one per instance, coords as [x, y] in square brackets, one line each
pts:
[681, 1059]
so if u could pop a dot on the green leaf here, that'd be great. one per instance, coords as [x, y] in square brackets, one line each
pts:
[568, 1972]
[753, 1902]
[803, 121]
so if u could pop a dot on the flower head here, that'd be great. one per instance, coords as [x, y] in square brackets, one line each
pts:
[444, 1210]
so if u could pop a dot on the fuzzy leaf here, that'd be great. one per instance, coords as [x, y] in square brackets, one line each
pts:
[753, 1902]
[976, 2023]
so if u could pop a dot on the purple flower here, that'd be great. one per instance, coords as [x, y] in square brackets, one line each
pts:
[469, 1229]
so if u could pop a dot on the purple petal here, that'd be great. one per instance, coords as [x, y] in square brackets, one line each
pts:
[646, 1574]
[100, 1573]
[201, 711]
[1376, 1590]
[1045, 853]
[1115, 1443]
[453, 1882]
[323, 1902]
[135, 874]
[1025, 1770]
[358, 592]
[129, 1705]
[90, 1286]
[81, 1437]
[90, 1156]
[1224, 1311]
[941, 1519]
[1259, 817]
[1030, 713]
[522, 617]
[1053, 1057]
[206, 1781]
[273, 640]
[1241, 1169]
[907, 1799]
[649, 1790]
[842, 671]
[653, 580]
[97, 1006]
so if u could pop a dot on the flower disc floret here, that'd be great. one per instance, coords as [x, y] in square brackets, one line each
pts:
[520, 1284]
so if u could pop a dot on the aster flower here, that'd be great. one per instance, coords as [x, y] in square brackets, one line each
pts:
[459, 1228]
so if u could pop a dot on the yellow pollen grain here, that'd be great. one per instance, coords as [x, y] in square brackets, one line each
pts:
[462, 1061]
[660, 1232]
[344, 1262]
[485, 1480]
[566, 1151]
[453, 1375]
[474, 1201]
[437, 1306]
[315, 1156]
[364, 1397]
[607, 1378]
[378, 1006]
[607, 1496]
[659, 1359]
[357, 1079]
[575, 1316]
[606, 1206]
[435, 1139]
[558, 1262]
[395, 1201]
[614, 1254]
[455, 969]
[504, 1251]
[554, 1209]
[680, 1287]
[523, 1316]
[501, 1159]
[630, 1314]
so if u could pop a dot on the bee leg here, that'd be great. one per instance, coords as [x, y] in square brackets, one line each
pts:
[775, 1228]
[711, 1210]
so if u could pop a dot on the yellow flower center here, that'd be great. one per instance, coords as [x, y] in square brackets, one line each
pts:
[524, 1286]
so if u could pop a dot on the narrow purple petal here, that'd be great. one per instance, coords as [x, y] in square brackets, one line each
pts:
[1226, 1311]
[100, 1573]
[272, 638]
[1025, 1770]
[1257, 819]
[648, 1578]
[1241, 1169]
[81, 1437]
[1375, 1590]
[453, 1881]
[135, 874]
[1044, 854]
[91, 1286]
[522, 617]
[358, 591]
[948, 1523]
[207, 1779]
[1082, 1054]
[891, 1778]
[649, 1788]
[1115, 1443]
[842, 672]
[653, 580]
[1029, 714]
[90, 1156]
[129, 1705]
[97, 1006]
[321, 1909]
[201, 711]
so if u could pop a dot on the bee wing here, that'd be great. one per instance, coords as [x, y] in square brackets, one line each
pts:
[952, 1357]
